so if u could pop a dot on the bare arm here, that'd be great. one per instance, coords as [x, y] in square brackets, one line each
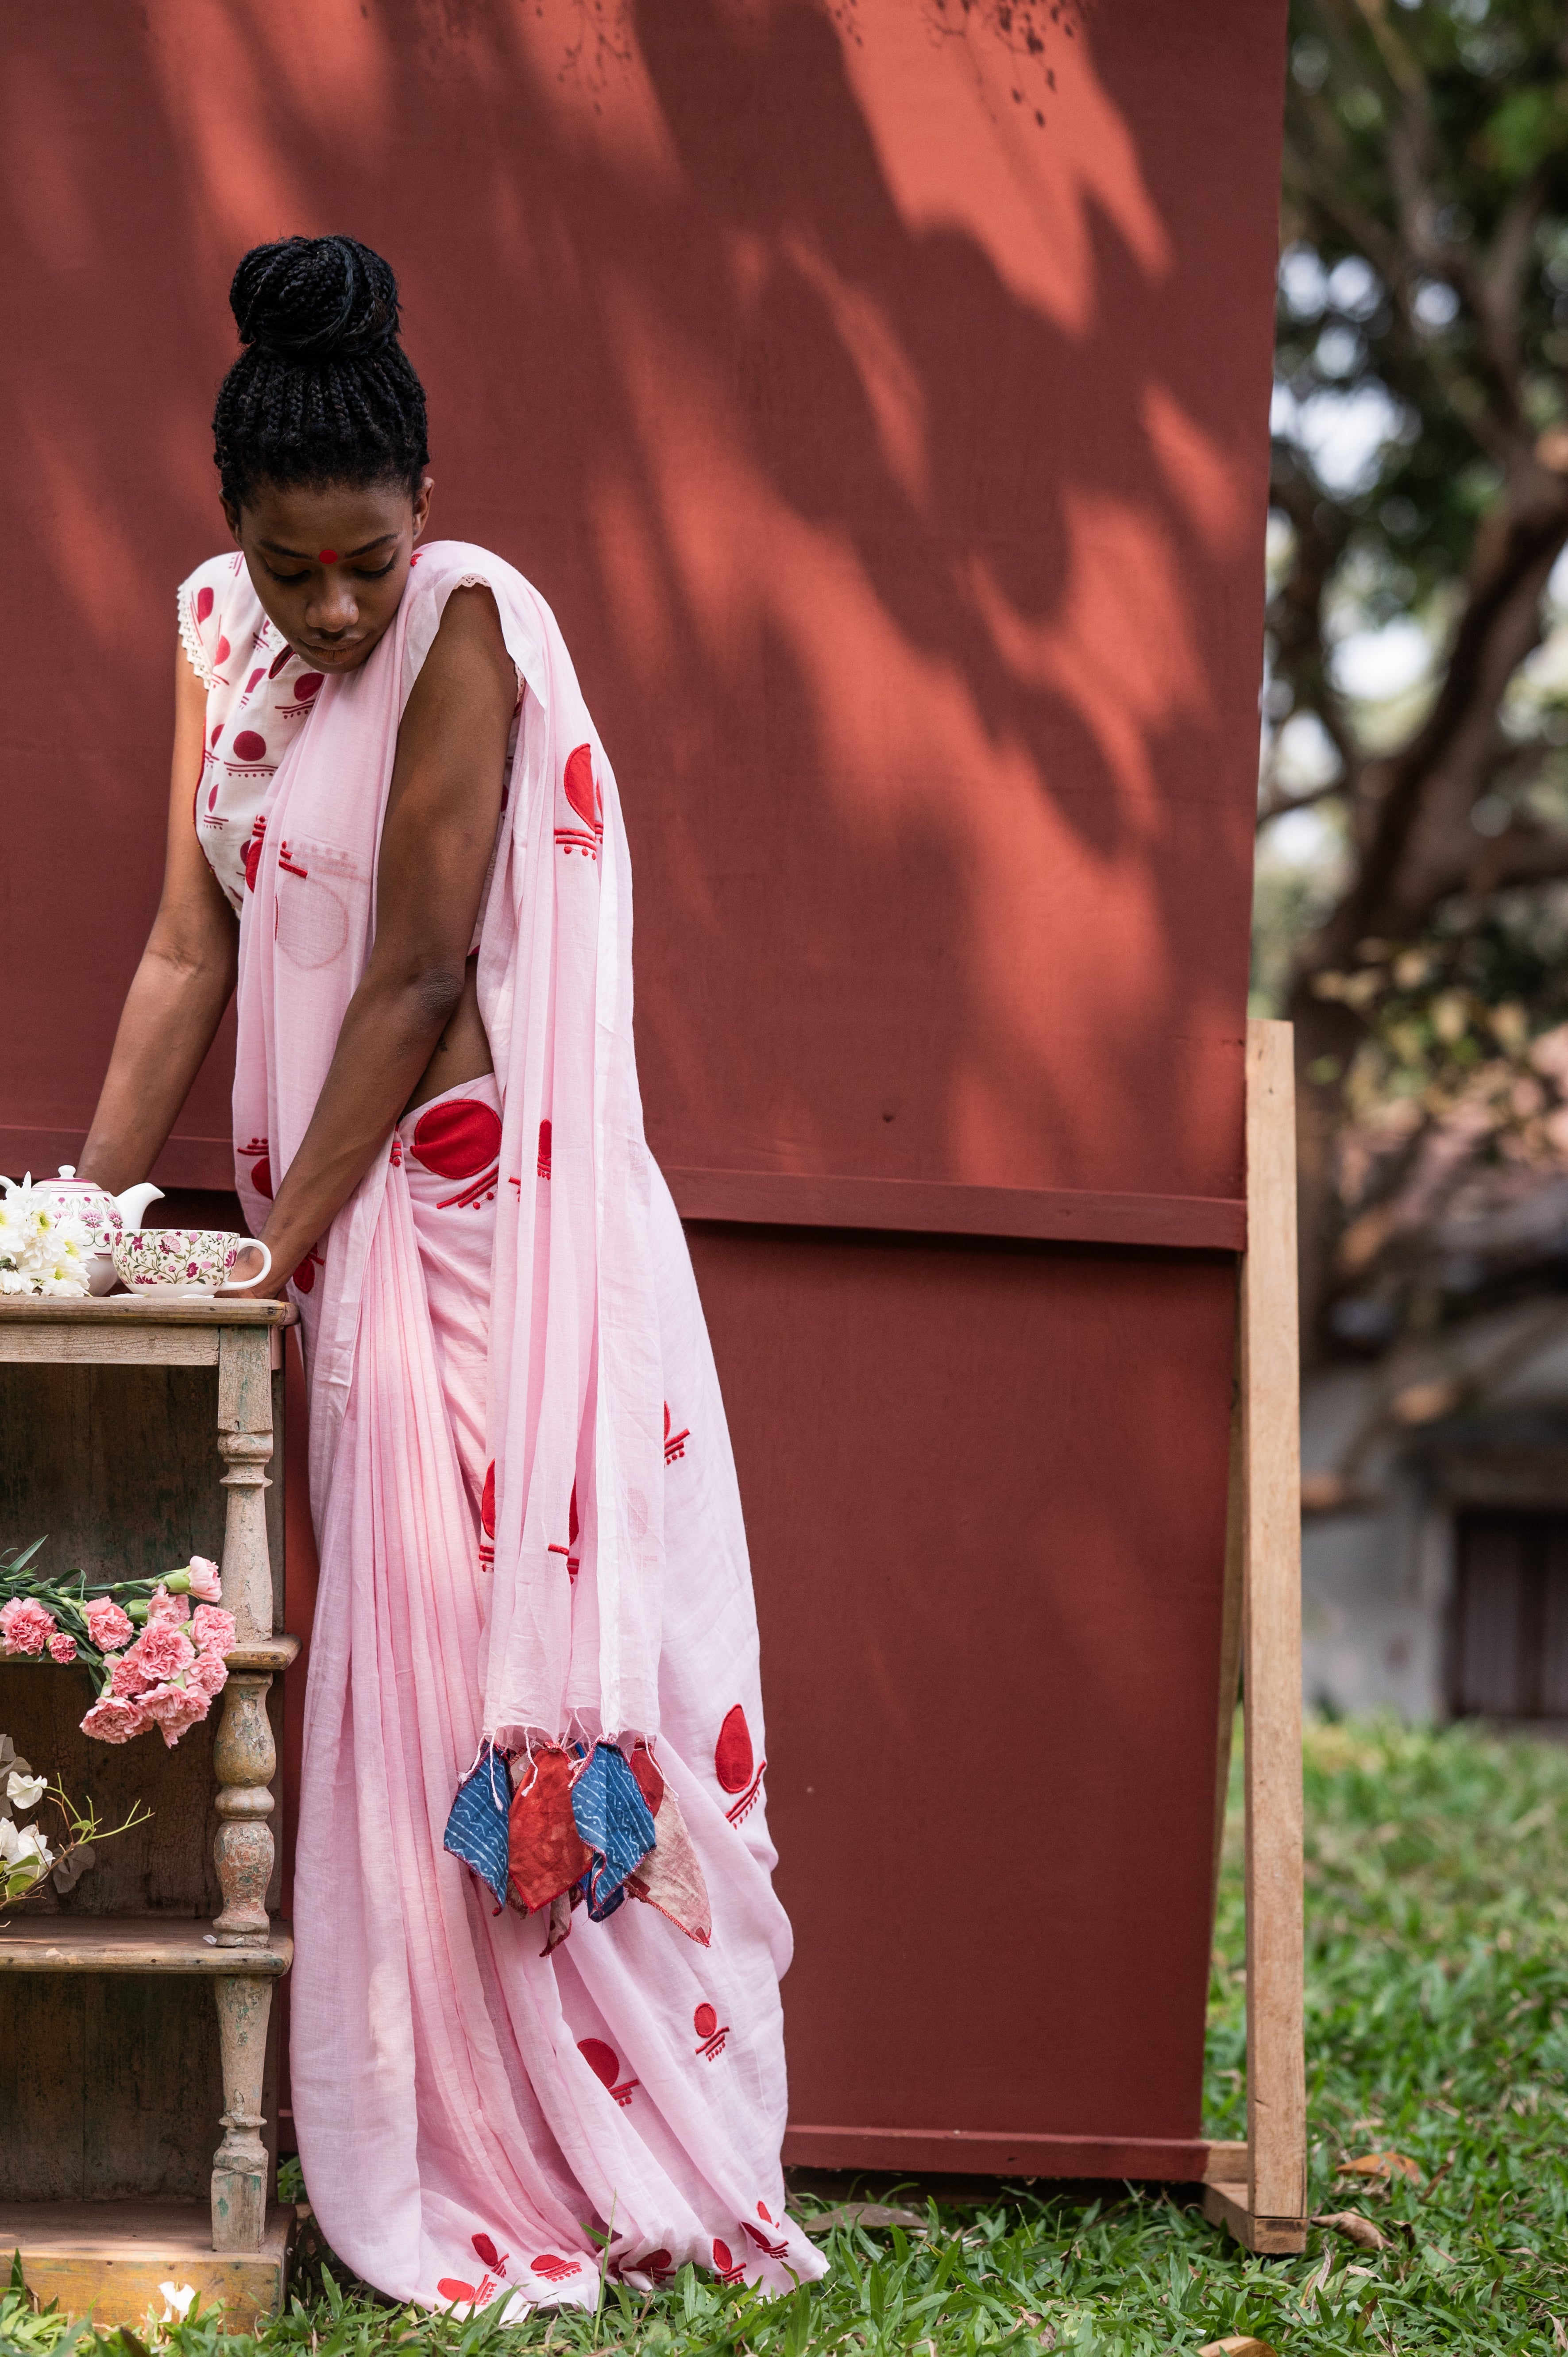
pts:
[182, 986]
[442, 814]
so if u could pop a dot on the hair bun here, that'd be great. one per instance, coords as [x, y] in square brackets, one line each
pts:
[310, 300]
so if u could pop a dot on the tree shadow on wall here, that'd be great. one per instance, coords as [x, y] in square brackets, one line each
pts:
[840, 525]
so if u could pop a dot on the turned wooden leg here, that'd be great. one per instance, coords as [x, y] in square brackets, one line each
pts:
[245, 1444]
[239, 2163]
[245, 1760]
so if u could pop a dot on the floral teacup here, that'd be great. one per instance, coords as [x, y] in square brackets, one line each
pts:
[167, 1261]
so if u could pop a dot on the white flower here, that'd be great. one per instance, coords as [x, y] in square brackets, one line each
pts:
[25, 1792]
[23, 1848]
[179, 2298]
[42, 1250]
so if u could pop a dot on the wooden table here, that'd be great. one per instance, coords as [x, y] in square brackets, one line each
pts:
[108, 2257]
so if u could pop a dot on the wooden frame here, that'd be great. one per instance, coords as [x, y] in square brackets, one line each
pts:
[1259, 2188]
[108, 2260]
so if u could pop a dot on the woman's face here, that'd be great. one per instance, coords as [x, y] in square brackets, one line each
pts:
[330, 564]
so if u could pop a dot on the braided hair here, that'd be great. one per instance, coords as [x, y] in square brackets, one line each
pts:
[324, 392]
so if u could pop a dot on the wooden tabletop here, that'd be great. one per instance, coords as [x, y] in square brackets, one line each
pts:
[113, 1309]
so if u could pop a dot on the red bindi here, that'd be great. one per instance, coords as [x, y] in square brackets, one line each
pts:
[329, 556]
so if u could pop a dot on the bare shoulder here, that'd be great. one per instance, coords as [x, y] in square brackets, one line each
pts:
[468, 667]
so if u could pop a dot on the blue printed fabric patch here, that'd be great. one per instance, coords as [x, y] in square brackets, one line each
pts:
[615, 1821]
[477, 1827]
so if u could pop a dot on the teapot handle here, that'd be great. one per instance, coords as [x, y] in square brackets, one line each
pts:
[240, 1284]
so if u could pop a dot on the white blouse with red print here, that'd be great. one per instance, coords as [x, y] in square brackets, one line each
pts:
[258, 693]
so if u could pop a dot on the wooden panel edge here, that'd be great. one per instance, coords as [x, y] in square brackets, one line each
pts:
[1226, 2205]
[990, 2153]
[918, 1207]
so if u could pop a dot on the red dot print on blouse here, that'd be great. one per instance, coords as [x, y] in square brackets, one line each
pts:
[221, 651]
[212, 799]
[250, 683]
[249, 747]
[203, 604]
[458, 1140]
[280, 661]
[216, 733]
[308, 685]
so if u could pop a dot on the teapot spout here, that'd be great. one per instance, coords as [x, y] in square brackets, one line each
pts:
[133, 1203]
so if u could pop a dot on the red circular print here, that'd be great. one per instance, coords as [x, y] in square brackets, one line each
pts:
[705, 2021]
[582, 788]
[307, 684]
[485, 2249]
[732, 1753]
[249, 747]
[450, 2288]
[487, 1502]
[216, 733]
[279, 661]
[601, 2060]
[212, 799]
[220, 653]
[203, 604]
[654, 2259]
[261, 1178]
[304, 1275]
[722, 2259]
[458, 1140]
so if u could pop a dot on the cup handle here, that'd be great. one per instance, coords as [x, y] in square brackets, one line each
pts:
[242, 1284]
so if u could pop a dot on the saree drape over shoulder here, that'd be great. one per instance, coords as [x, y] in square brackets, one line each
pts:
[530, 1538]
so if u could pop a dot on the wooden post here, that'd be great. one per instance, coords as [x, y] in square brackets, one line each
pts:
[1268, 2213]
[245, 1760]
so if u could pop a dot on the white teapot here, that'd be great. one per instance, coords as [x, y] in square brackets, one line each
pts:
[106, 1216]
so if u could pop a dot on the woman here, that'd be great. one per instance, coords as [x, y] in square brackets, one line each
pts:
[407, 852]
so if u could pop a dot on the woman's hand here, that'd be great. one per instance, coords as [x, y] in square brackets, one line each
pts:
[443, 812]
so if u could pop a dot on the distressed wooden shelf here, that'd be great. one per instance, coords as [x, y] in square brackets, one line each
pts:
[108, 2258]
[122, 1944]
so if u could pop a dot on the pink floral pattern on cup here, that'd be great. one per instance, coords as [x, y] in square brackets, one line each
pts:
[184, 1260]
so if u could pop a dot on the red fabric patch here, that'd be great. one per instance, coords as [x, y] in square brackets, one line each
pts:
[545, 1139]
[489, 2253]
[458, 1140]
[545, 1854]
[308, 684]
[450, 2287]
[649, 1781]
[732, 1753]
[705, 2021]
[203, 604]
[488, 1501]
[249, 747]
[279, 661]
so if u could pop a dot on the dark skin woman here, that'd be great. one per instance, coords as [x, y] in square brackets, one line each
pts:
[330, 563]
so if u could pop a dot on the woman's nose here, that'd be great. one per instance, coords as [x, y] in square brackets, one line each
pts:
[331, 609]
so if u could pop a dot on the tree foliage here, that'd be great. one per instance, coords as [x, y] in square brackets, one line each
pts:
[1423, 312]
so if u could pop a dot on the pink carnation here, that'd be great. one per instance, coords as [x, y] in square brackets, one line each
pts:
[208, 1674]
[125, 1676]
[162, 1606]
[106, 1625]
[213, 1629]
[26, 1626]
[61, 1647]
[173, 1708]
[161, 1650]
[113, 1721]
[205, 1583]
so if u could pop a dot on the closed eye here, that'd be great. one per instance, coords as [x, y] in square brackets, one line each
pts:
[378, 573]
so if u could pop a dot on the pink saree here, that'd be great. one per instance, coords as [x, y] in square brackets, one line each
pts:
[530, 1531]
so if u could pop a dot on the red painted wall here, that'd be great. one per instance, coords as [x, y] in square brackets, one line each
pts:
[878, 392]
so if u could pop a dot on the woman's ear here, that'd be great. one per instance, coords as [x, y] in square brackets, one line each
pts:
[232, 517]
[422, 505]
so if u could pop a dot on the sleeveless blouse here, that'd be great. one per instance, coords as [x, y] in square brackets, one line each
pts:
[258, 694]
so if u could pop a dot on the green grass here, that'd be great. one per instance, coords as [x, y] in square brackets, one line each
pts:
[1437, 2026]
